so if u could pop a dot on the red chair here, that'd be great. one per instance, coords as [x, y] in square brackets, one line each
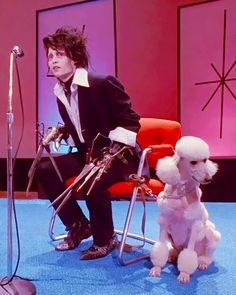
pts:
[157, 137]
[160, 136]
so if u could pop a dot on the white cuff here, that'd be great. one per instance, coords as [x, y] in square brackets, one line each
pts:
[123, 135]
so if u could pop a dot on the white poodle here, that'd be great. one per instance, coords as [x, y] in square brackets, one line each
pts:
[186, 233]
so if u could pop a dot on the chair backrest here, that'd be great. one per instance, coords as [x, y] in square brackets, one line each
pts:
[159, 134]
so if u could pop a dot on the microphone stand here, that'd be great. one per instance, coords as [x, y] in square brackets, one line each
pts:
[12, 284]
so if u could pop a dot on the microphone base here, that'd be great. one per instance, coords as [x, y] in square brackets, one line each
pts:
[17, 286]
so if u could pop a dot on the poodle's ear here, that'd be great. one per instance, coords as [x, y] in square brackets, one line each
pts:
[167, 170]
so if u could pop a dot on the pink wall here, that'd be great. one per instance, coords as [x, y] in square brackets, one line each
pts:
[147, 60]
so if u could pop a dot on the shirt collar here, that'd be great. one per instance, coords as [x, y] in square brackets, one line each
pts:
[80, 78]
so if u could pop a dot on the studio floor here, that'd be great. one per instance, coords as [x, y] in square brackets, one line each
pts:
[63, 273]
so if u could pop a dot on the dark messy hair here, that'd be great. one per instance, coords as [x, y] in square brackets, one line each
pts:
[72, 41]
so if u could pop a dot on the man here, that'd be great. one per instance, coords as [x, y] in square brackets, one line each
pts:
[89, 104]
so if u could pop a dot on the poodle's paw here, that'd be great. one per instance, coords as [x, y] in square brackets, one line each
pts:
[184, 278]
[204, 262]
[202, 265]
[155, 271]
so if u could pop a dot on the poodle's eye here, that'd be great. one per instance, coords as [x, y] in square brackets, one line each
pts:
[204, 160]
[193, 162]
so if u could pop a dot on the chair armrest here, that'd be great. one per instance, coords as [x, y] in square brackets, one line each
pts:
[159, 151]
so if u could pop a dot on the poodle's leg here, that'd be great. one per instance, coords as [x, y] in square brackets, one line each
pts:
[210, 243]
[159, 253]
[198, 232]
[159, 257]
[187, 264]
[188, 258]
[204, 261]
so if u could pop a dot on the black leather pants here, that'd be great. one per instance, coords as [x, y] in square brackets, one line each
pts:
[98, 201]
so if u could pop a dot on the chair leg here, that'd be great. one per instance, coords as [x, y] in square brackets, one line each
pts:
[50, 229]
[125, 234]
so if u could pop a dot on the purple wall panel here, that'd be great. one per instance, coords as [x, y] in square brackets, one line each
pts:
[207, 53]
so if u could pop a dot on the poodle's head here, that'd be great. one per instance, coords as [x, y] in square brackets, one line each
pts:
[190, 161]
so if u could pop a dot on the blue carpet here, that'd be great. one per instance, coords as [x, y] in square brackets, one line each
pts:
[64, 274]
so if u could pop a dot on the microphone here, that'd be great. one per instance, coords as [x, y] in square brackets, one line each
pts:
[17, 51]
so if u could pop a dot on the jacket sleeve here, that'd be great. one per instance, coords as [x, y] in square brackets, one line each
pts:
[125, 119]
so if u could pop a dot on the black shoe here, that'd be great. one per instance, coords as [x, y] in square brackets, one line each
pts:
[78, 232]
[95, 251]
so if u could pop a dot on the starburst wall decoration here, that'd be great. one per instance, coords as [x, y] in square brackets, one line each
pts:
[207, 74]
[224, 76]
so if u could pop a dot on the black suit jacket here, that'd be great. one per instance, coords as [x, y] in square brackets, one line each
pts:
[103, 106]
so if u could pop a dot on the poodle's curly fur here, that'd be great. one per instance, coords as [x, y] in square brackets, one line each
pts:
[187, 236]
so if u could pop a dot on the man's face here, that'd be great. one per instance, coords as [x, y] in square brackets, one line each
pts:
[60, 64]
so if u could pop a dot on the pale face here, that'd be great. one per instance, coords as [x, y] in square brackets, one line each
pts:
[60, 65]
